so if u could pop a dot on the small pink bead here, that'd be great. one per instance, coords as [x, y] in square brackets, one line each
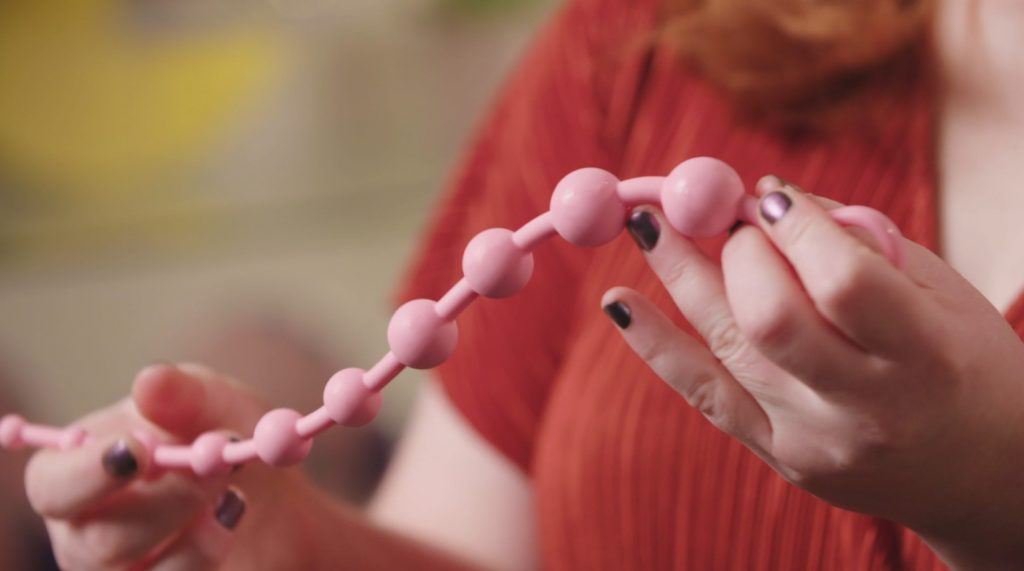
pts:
[701, 197]
[10, 431]
[208, 455]
[418, 337]
[73, 437]
[277, 441]
[494, 265]
[344, 394]
[367, 411]
[586, 209]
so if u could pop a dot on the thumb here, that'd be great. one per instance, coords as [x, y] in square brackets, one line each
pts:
[187, 400]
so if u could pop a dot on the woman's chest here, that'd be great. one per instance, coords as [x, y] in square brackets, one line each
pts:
[981, 201]
[628, 476]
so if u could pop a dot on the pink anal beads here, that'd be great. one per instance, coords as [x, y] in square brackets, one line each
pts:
[701, 198]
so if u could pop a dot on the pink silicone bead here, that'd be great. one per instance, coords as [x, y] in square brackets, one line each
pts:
[367, 411]
[277, 441]
[586, 209]
[701, 197]
[10, 431]
[418, 337]
[208, 455]
[494, 265]
[348, 401]
[72, 437]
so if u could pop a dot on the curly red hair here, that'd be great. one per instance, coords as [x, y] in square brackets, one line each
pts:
[817, 61]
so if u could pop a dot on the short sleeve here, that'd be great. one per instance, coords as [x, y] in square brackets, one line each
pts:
[553, 116]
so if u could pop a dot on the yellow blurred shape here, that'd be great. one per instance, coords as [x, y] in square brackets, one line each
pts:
[95, 102]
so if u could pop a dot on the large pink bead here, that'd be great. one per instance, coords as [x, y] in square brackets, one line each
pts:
[10, 431]
[418, 337]
[277, 441]
[208, 455]
[347, 400]
[366, 411]
[586, 209]
[701, 197]
[494, 265]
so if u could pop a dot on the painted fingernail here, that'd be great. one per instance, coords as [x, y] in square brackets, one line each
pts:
[119, 461]
[230, 509]
[774, 205]
[644, 229]
[620, 314]
[735, 227]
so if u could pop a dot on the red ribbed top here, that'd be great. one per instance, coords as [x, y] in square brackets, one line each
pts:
[627, 475]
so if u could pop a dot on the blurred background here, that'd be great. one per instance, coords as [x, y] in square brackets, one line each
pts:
[233, 182]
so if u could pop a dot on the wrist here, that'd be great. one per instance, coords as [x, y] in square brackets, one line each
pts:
[981, 529]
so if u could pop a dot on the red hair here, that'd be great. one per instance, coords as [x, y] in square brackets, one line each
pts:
[816, 61]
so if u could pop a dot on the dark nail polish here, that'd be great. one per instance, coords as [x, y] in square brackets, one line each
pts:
[119, 461]
[732, 229]
[230, 509]
[774, 205]
[644, 229]
[620, 314]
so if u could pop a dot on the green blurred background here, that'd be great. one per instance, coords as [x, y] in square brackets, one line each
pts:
[233, 182]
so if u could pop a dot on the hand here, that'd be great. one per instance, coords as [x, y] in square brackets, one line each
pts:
[895, 393]
[106, 509]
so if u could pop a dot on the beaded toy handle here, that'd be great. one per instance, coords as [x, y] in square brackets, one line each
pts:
[701, 198]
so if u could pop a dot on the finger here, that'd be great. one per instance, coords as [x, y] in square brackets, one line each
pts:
[776, 316]
[136, 522]
[688, 367]
[188, 400]
[206, 544]
[851, 285]
[693, 281]
[769, 183]
[61, 484]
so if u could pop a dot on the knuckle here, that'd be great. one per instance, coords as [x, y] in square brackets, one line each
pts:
[725, 339]
[771, 326]
[675, 272]
[842, 289]
[702, 393]
[699, 392]
[800, 229]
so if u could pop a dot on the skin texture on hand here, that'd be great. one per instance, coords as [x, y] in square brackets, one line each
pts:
[894, 393]
[105, 509]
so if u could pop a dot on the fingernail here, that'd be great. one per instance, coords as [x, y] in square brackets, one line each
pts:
[119, 461]
[774, 205]
[230, 509]
[735, 227]
[620, 314]
[644, 229]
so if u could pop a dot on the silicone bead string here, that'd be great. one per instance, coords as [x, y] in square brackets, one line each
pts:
[700, 198]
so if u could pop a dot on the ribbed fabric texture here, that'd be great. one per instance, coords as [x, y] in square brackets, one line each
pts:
[627, 475]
